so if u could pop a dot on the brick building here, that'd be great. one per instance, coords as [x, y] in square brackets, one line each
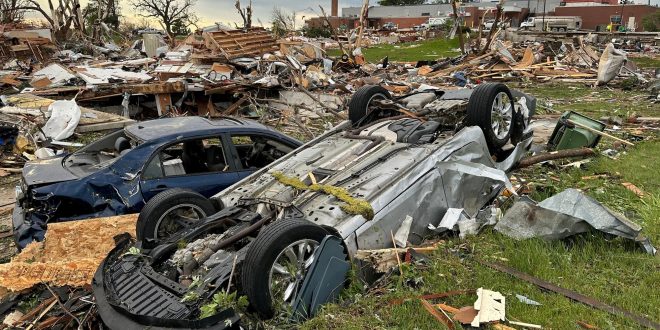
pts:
[598, 17]
[596, 14]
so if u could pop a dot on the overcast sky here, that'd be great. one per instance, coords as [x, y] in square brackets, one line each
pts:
[223, 11]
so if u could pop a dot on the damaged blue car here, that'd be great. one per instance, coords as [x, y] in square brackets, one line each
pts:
[122, 171]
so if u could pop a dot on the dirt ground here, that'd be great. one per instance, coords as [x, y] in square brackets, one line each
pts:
[7, 198]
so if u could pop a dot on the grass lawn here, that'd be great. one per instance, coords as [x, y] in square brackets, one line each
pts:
[595, 102]
[613, 271]
[646, 62]
[410, 52]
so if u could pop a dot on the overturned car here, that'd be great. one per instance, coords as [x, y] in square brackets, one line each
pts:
[354, 186]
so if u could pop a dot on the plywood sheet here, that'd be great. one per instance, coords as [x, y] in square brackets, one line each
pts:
[70, 254]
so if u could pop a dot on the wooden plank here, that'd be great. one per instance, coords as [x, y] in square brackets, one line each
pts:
[235, 106]
[250, 50]
[163, 103]
[162, 88]
[252, 43]
[225, 40]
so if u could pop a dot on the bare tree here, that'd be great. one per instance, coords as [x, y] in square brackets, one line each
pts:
[169, 12]
[9, 12]
[33, 5]
[282, 21]
[61, 18]
[246, 14]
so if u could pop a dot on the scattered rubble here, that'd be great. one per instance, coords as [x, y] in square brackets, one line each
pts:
[54, 91]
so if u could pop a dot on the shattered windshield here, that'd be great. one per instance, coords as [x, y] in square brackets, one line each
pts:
[99, 154]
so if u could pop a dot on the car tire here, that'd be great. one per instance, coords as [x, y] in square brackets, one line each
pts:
[358, 107]
[262, 254]
[151, 215]
[481, 112]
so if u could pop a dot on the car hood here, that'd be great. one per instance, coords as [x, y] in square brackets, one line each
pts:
[46, 171]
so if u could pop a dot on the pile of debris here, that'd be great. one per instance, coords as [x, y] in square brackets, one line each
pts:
[539, 61]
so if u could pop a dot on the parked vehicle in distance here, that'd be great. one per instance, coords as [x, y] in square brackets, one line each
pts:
[122, 171]
[395, 158]
[434, 22]
[389, 26]
[552, 23]
[488, 24]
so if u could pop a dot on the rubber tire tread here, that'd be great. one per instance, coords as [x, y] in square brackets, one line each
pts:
[262, 253]
[357, 107]
[152, 211]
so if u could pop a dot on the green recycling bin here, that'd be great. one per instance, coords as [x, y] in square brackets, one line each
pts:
[568, 136]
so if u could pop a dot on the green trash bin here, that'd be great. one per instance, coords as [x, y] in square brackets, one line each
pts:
[567, 136]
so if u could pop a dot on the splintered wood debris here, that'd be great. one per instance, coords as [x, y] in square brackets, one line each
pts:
[70, 254]
[239, 43]
[490, 306]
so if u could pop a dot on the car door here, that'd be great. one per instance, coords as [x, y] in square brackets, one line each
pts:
[243, 143]
[203, 165]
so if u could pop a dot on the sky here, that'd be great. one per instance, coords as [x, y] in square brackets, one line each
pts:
[223, 11]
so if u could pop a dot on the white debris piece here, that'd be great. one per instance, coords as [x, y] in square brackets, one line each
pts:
[99, 76]
[527, 301]
[490, 307]
[449, 220]
[401, 236]
[64, 118]
[55, 73]
[12, 318]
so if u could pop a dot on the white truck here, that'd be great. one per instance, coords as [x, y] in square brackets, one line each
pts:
[434, 22]
[552, 23]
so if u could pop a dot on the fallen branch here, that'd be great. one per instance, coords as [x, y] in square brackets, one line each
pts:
[441, 317]
[578, 152]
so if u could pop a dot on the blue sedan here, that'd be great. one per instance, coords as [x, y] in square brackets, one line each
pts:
[119, 173]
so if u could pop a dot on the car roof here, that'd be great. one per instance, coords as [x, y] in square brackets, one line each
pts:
[161, 128]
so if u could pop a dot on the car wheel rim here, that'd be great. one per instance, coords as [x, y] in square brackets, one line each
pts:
[501, 115]
[176, 218]
[289, 270]
[370, 106]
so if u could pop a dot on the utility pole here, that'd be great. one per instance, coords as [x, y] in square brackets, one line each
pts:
[623, 6]
[544, 15]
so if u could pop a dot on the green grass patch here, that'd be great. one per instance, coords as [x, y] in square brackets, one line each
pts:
[594, 102]
[411, 51]
[646, 62]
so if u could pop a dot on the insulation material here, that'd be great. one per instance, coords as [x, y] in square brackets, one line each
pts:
[64, 118]
[70, 254]
[610, 64]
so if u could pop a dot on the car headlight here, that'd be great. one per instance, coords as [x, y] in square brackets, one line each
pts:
[19, 193]
[21, 190]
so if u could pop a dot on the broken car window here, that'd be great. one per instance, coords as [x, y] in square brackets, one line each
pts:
[257, 151]
[188, 157]
[99, 154]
